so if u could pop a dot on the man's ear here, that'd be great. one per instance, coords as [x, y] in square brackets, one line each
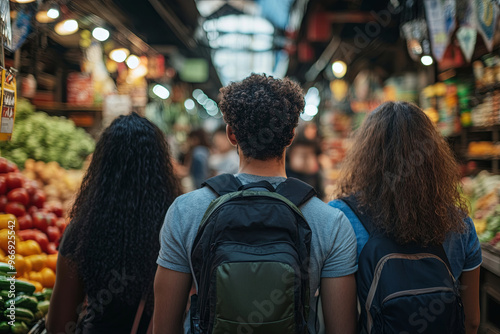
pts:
[231, 136]
[291, 141]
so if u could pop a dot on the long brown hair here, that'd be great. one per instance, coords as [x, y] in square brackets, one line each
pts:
[403, 173]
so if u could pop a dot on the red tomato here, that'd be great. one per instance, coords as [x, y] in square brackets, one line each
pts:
[19, 195]
[25, 222]
[51, 219]
[55, 208]
[38, 199]
[31, 187]
[14, 180]
[3, 203]
[3, 185]
[28, 234]
[40, 221]
[52, 248]
[53, 233]
[42, 240]
[17, 209]
[61, 224]
[11, 167]
[32, 210]
[3, 165]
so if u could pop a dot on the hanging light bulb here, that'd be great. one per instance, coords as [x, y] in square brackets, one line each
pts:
[339, 69]
[161, 91]
[50, 14]
[53, 11]
[427, 60]
[133, 61]
[22, 1]
[66, 27]
[119, 55]
[100, 34]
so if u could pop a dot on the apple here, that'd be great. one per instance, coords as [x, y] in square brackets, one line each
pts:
[3, 165]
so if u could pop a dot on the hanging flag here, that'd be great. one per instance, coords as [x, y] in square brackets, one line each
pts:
[438, 32]
[466, 37]
[486, 19]
[450, 13]
[467, 32]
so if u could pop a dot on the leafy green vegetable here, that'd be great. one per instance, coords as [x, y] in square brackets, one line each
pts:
[46, 138]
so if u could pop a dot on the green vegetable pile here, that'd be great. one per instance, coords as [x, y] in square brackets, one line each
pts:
[20, 312]
[46, 138]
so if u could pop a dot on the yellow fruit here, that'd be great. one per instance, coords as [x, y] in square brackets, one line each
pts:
[48, 277]
[28, 247]
[37, 261]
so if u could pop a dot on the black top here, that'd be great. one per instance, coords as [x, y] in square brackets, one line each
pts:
[104, 314]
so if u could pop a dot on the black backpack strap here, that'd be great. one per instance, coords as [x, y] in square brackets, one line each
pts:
[296, 191]
[223, 184]
[367, 222]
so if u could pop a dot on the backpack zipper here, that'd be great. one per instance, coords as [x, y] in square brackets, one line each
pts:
[378, 272]
[416, 292]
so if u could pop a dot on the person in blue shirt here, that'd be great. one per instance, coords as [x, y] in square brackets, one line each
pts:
[403, 174]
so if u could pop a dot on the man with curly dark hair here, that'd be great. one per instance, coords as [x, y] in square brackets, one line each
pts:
[261, 113]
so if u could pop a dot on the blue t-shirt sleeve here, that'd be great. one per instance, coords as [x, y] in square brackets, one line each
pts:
[341, 259]
[473, 257]
[173, 254]
[360, 231]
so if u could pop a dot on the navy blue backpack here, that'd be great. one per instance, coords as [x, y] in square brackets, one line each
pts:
[405, 289]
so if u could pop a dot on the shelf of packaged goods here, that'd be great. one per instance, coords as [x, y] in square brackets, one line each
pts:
[64, 107]
[491, 259]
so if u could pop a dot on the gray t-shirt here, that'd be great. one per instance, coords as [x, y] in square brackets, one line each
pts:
[333, 243]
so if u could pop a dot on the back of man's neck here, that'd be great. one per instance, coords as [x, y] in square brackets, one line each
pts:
[270, 168]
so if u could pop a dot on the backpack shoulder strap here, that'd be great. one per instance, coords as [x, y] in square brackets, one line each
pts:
[367, 222]
[223, 184]
[296, 191]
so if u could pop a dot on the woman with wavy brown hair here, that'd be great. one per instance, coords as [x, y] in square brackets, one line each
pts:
[403, 178]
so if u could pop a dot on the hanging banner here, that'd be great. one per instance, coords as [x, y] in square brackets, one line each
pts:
[466, 37]
[449, 11]
[438, 32]
[486, 16]
[8, 105]
[467, 32]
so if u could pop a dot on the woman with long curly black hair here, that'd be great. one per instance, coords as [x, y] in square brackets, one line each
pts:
[107, 259]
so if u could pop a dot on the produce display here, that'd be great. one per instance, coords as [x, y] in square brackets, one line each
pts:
[483, 191]
[60, 185]
[38, 227]
[46, 138]
[21, 310]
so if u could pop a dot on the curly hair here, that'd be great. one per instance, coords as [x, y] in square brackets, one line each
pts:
[263, 112]
[120, 208]
[404, 175]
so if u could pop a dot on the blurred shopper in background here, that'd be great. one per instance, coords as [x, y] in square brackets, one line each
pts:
[106, 262]
[224, 158]
[303, 163]
[196, 159]
[400, 180]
